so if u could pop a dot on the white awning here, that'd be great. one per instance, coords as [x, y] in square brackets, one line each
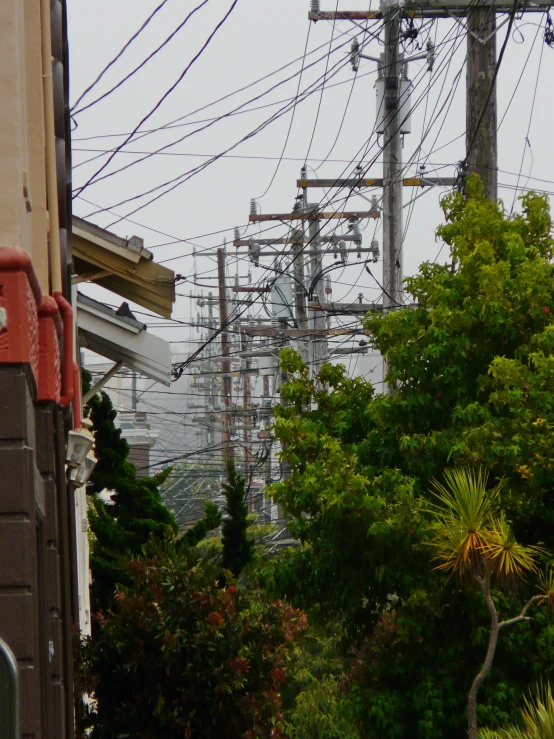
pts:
[122, 339]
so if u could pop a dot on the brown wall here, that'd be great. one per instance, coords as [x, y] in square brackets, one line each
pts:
[139, 455]
[35, 584]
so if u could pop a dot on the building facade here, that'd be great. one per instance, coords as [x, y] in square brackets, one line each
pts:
[38, 375]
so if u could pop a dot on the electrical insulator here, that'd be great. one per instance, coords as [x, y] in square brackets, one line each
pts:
[328, 286]
[355, 229]
[375, 250]
[355, 55]
[254, 252]
[343, 252]
[315, 6]
[303, 172]
[237, 234]
[430, 55]
[375, 203]
[253, 207]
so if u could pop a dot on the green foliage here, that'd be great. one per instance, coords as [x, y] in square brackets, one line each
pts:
[473, 368]
[198, 532]
[180, 657]
[136, 514]
[185, 491]
[317, 701]
[237, 545]
[537, 717]
[320, 714]
[469, 535]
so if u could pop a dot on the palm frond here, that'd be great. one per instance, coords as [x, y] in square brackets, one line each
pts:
[546, 581]
[463, 513]
[510, 559]
[537, 716]
[513, 732]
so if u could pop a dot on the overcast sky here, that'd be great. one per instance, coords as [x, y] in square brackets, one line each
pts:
[258, 38]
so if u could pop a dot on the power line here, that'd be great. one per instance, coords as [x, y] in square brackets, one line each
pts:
[118, 55]
[138, 67]
[165, 95]
[527, 142]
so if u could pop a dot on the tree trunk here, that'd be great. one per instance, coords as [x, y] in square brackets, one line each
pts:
[485, 583]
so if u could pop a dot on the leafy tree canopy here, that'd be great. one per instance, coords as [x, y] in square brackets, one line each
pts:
[182, 657]
[238, 546]
[472, 364]
[135, 514]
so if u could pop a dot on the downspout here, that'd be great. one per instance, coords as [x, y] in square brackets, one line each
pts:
[67, 319]
[76, 397]
[50, 136]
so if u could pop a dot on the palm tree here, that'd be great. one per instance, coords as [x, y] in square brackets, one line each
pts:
[537, 716]
[472, 538]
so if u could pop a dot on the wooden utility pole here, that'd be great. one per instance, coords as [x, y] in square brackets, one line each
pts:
[392, 160]
[228, 449]
[300, 313]
[481, 133]
[319, 342]
[247, 419]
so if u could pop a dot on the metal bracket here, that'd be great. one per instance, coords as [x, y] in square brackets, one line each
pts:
[472, 33]
[101, 382]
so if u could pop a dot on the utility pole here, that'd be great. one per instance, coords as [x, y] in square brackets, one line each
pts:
[392, 159]
[229, 452]
[319, 343]
[481, 130]
[134, 394]
[300, 313]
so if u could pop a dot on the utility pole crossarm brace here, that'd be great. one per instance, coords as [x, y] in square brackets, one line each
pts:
[427, 9]
[358, 215]
[420, 181]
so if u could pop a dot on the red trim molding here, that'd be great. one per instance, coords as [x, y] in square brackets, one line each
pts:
[31, 328]
[50, 328]
[19, 298]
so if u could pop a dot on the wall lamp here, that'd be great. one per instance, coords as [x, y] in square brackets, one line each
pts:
[80, 475]
[79, 444]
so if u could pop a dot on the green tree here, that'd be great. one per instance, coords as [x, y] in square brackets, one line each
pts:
[185, 491]
[237, 544]
[537, 717]
[135, 515]
[473, 367]
[181, 657]
[471, 538]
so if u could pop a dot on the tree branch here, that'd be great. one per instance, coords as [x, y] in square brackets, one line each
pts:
[485, 583]
[522, 616]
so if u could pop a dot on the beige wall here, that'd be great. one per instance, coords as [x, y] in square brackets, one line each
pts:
[23, 218]
[36, 166]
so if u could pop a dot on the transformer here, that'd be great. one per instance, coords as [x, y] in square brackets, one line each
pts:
[281, 297]
[404, 92]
